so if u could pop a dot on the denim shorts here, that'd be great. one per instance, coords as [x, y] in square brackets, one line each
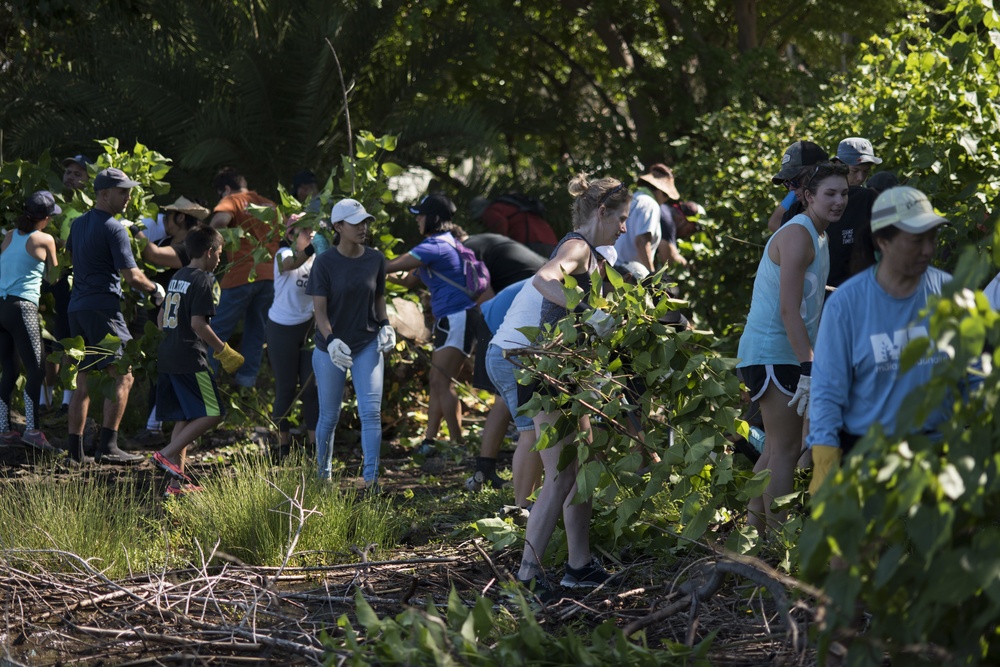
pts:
[501, 372]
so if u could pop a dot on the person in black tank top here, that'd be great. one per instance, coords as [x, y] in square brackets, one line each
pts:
[600, 210]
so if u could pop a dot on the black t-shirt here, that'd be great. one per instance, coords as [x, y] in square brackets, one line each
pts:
[191, 292]
[350, 285]
[667, 226]
[843, 233]
[509, 262]
[163, 277]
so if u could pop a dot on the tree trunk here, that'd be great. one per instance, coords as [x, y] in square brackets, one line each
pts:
[746, 24]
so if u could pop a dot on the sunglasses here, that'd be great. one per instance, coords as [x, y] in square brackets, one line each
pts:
[607, 195]
[791, 184]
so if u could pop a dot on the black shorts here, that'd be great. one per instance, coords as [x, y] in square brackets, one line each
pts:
[187, 396]
[93, 326]
[758, 378]
[480, 378]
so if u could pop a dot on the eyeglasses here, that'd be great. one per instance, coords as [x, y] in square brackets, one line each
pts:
[607, 195]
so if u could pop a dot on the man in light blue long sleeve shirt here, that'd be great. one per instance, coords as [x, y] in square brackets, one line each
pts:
[867, 323]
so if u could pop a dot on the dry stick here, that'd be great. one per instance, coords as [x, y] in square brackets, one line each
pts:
[485, 557]
[347, 112]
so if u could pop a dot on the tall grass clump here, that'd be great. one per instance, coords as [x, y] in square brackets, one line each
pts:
[254, 510]
[103, 520]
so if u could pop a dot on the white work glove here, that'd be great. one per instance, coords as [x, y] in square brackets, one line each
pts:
[386, 338]
[800, 401]
[602, 323]
[339, 353]
[158, 295]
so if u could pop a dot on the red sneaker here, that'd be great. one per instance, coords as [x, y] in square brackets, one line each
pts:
[171, 469]
[37, 440]
[182, 490]
[10, 438]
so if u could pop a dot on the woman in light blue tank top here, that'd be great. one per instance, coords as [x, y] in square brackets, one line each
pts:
[776, 348]
[23, 256]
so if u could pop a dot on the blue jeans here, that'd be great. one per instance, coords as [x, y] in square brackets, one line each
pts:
[249, 303]
[501, 372]
[367, 377]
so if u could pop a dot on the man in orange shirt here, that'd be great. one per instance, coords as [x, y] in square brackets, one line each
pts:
[242, 297]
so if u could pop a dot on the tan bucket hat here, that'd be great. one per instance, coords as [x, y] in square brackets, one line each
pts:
[661, 177]
[185, 205]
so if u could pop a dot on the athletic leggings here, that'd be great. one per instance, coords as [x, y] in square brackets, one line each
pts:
[20, 336]
[290, 356]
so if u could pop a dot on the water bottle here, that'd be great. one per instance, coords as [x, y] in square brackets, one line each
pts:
[756, 438]
[320, 243]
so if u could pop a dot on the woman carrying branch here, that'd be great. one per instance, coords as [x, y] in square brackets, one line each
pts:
[599, 213]
[776, 348]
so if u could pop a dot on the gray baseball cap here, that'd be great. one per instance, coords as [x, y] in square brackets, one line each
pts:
[906, 208]
[857, 150]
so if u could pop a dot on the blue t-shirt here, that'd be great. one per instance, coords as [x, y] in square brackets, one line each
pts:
[855, 375]
[438, 254]
[100, 248]
[20, 273]
[496, 308]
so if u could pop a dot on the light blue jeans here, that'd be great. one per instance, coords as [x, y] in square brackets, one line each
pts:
[249, 303]
[367, 376]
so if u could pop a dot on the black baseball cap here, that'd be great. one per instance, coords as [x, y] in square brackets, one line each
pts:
[438, 205]
[798, 155]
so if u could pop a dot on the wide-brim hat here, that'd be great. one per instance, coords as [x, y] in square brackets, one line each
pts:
[906, 208]
[350, 211]
[185, 205]
[661, 177]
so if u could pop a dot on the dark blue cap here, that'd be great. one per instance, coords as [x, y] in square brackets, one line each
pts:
[81, 160]
[112, 178]
[41, 205]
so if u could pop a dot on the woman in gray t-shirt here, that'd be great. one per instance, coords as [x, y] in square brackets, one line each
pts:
[347, 284]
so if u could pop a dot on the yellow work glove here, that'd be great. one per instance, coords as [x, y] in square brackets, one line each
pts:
[230, 359]
[826, 460]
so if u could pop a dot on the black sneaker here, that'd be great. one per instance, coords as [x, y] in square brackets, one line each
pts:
[588, 576]
[539, 588]
[479, 479]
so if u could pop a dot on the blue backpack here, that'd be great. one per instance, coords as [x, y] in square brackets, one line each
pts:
[477, 276]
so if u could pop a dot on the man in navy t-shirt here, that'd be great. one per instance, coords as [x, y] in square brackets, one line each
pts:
[102, 256]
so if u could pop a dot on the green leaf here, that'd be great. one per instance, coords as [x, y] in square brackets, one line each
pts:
[391, 169]
[365, 614]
